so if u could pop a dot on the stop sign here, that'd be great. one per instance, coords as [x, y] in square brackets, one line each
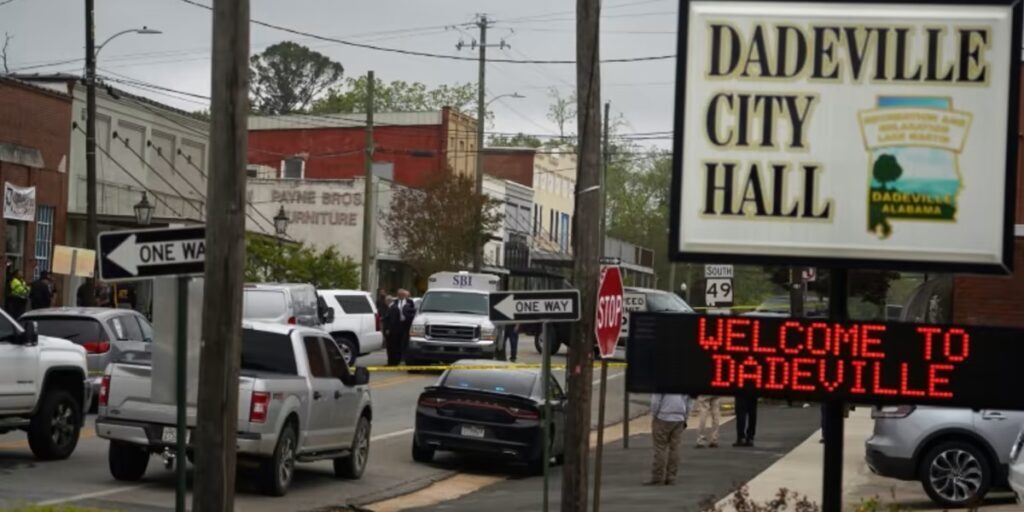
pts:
[609, 310]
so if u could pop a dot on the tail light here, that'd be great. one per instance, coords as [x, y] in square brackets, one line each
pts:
[96, 347]
[432, 401]
[258, 407]
[892, 412]
[292, 321]
[104, 390]
[525, 414]
[376, 318]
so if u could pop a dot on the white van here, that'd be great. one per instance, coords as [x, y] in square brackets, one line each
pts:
[452, 320]
[295, 304]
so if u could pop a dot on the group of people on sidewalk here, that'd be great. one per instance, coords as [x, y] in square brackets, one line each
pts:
[22, 296]
[669, 414]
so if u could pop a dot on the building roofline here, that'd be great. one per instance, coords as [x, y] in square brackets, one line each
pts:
[16, 81]
[508, 149]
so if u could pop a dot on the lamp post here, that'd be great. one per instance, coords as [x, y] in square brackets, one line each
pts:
[515, 95]
[280, 228]
[143, 211]
[91, 53]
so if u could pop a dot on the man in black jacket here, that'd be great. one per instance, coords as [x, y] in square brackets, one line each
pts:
[397, 321]
[40, 293]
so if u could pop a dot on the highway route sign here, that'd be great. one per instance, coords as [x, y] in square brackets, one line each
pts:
[146, 253]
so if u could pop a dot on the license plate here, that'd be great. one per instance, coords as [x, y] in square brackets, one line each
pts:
[170, 435]
[473, 431]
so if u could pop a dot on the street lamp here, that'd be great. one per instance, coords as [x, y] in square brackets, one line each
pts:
[281, 229]
[515, 95]
[144, 211]
[91, 52]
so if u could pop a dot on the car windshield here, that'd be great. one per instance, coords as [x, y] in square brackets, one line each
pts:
[669, 302]
[267, 352]
[511, 382]
[74, 329]
[454, 302]
[263, 304]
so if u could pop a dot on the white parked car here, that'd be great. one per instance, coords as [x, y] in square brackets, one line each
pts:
[1016, 473]
[356, 326]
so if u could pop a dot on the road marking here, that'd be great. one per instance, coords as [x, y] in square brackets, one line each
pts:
[89, 495]
[389, 435]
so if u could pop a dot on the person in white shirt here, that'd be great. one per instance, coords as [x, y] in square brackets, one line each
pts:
[669, 414]
[708, 406]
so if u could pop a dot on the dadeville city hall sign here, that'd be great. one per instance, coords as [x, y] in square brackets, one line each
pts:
[812, 359]
[861, 133]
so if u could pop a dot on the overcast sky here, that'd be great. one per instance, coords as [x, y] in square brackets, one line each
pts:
[46, 31]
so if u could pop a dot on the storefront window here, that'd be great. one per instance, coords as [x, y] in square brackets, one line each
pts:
[44, 238]
[15, 243]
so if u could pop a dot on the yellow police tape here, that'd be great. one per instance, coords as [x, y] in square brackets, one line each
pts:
[442, 367]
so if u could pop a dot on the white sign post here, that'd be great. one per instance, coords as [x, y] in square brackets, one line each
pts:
[852, 133]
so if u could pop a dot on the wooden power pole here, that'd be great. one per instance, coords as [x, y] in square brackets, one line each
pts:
[369, 195]
[217, 421]
[586, 242]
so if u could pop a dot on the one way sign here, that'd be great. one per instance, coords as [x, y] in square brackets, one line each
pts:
[147, 253]
[515, 307]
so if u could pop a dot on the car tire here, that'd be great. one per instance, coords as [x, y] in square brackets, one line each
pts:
[54, 429]
[127, 461]
[349, 348]
[422, 454]
[352, 466]
[277, 472]
[956, 474]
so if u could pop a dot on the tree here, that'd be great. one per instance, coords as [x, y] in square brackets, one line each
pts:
[417, 215]
[519, 140]
[886, 169]
[562, 110]
[298, 263]
[287, 77]
[396, 96]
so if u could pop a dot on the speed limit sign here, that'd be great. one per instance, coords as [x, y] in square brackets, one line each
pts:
[718, 292]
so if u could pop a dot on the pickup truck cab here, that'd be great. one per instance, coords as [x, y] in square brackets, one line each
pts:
[452, 320]
[43, 388]
[297, 402]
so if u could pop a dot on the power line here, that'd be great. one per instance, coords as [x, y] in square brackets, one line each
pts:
[428, 54]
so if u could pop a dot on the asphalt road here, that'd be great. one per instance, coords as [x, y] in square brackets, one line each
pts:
[85, 480]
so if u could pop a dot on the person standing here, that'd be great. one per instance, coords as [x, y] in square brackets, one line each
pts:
[746, 420]
[512, 340]
[17, 295]
[708, 406]
[382, 301]
[396, 326]
[40, 294]
[668, 421]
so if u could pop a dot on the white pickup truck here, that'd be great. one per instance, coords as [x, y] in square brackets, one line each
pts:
[297, 402]
[43, 388]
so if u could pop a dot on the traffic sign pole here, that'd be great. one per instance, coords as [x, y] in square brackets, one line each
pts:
[181, 356]
[610, 301]
[600, 434]
[545, 344]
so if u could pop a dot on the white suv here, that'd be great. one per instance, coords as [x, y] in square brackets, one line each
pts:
[356, 326]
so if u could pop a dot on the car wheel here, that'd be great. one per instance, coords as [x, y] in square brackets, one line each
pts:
[127, 461]
[349, 349]
[352, 467]
[53, 432]
[424, 454]
[279, 470]
[956, 474]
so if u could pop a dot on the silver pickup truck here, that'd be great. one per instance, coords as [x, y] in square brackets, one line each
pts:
[297, 401]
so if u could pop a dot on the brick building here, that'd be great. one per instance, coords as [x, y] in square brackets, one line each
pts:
[35, 135]
[417, 146]
[513, 164]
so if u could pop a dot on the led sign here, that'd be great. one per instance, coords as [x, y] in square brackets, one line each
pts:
[812, 359]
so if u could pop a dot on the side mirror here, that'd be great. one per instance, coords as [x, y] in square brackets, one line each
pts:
[329, 316]
[31, 334]
[361, 377]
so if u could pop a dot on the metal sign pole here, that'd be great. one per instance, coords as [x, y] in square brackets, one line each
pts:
[832, 410]
[181, 354]
[600, 435]
[545, 388]
[625, 413]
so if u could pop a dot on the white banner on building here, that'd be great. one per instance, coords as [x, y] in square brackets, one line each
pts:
[860, 133]
[19, 203]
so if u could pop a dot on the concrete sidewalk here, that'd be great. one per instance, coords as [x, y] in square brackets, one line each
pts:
[706, 475]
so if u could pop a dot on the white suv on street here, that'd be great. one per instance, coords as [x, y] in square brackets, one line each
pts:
[356, 326]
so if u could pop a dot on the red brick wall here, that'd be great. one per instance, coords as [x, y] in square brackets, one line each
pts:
[992, 300]
[513, 165]
[38, 119]
[337, 153]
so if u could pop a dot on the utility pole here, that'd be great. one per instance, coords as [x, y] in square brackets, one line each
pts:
[481, 117]
[91, 229]
[217, 410]
[587, 253]
[603, 394]
[369, 193]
